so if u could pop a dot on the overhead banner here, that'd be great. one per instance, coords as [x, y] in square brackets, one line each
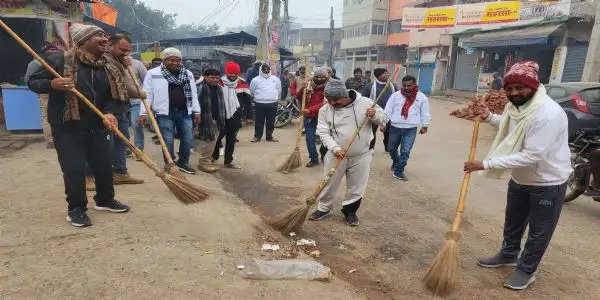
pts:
[438, 17]
[38, 9]
[488, 13]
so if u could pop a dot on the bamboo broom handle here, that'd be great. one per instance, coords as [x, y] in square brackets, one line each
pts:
[331, 171]
[152, 118]
[460, 208]
[299, 133]
[23, 44]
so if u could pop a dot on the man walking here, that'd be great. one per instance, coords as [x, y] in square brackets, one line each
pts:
[372, 91]
[338, 120]
[80, 136]
[266, 90]
[315, 99]
[357, 82]
[172, 98]
[119, 55]
[407, 110]
[532, 141]
[139, 71]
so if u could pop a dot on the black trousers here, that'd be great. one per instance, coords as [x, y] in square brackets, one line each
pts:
[536, 206]
[229, 132]
[265, 119]
[77, 144]
[386, 136]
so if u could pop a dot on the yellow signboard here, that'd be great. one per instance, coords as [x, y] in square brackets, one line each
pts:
[441, 17]
[501, 12]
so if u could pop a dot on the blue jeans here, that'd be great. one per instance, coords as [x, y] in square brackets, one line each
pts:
[310, 127]
[119, 149]
[403, 138]
[180, 120]
[138, 131]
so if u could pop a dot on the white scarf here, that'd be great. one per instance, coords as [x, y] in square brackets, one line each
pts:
[230, 96]
[374, 89]
[507, 143]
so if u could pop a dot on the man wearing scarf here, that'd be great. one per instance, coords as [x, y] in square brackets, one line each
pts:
[338, 120]
[266, 90]
[80, 136]
[407, 110]
[315, 99]
[372, 91]
[532, 141]
[175, 103]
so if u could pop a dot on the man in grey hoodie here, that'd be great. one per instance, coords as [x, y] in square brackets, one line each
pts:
[338, 120]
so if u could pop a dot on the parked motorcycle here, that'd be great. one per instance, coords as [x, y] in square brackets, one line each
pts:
[286, 112]
[580, 180]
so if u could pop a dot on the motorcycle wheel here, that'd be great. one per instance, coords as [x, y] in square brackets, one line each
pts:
[282, 119]
[574, 189]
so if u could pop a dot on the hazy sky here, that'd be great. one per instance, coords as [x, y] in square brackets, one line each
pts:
[234, 13]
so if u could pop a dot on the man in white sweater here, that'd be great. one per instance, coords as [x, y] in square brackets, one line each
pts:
[407, 109]
[532, 141]
[266, 90]
[337, 122]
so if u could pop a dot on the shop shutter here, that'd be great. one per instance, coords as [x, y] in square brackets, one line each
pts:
[574, 62]
[466, 74]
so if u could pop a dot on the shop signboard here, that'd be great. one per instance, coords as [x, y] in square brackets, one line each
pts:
[438, 17]
[38, 9]
[488, 13]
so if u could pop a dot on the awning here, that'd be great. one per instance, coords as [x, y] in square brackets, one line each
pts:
[533, 35]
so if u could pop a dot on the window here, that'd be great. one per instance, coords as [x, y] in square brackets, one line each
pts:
[395, 26]
[377, 29]
[556, 93]
[591, 95]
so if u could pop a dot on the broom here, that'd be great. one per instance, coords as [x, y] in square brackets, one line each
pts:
[294, 218]
[181, 188]
[170, 167]
[441, 275]
[294, 161]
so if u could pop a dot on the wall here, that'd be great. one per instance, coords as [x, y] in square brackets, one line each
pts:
[396, 8]
[363, 41]
[398, 39]
[429, 37]
[364, 11]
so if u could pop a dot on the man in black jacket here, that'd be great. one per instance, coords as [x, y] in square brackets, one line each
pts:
[372, 91]
[79, 134]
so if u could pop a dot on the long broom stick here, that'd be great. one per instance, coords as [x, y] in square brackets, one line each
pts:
[183, 190]
[441, 275]
[170, 167]
[294, 218]
[294, 161]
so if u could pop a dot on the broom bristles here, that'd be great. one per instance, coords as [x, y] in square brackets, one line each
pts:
[173, 170]
[441, 275]
[294, 161]
[293, 219]
[184, 190]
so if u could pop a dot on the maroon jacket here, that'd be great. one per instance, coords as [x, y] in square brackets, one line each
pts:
[315, 102]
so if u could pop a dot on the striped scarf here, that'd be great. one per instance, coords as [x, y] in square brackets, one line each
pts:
[182, 80]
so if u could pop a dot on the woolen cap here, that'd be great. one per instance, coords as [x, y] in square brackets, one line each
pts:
[170, 52]
[525, 73]
[232, 68]
[82, 32]
[336, 89]
[320, 71]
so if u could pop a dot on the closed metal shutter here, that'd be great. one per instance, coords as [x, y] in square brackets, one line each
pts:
[465, 74]
[574, 62]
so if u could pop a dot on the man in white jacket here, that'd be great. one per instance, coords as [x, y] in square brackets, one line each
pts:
[174, 99]
[266, 90]
[407, 109]
[532, 140]
[337, 122]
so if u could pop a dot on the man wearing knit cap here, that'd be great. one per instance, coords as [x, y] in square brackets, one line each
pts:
[532, 141]
[372, 91]
[338, 120]
[315, 99]
[175, 103]
[80, 136]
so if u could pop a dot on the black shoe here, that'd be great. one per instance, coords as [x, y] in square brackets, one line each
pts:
[352, 219]
[497, 261]
[186, 169]
[311, 164]
[518, 280]
[255, 140]
[155, 137]
[112, 206]
[78, 218]
[318, 215]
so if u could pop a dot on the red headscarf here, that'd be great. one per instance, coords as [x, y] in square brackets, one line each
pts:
[411, 95]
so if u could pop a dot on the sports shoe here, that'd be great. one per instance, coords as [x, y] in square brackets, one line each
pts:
[186, 169]
[90, 184]
[119, 178]
[78, 218]
[318, 215]
[273, 140]
[311, 164]
[400, 176]
[255, 140]
[112, 206]
[497, 261]
[352, 219]
[207, 167]
[518, 280]
[232, 166]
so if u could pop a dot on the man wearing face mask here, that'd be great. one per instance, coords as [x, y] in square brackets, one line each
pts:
[532, 141]
[315, 99]
[266, 90]
[338, 120]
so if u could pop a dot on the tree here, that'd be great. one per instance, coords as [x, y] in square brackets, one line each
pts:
[146, 24]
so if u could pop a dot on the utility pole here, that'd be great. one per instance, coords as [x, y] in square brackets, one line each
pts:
[592, 61]
[263, 15]
[331, 38]
[285, 30]
[275, 37]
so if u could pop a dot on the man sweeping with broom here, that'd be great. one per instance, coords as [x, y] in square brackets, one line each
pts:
[337, 123]
[80, 135]
[532, 141]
